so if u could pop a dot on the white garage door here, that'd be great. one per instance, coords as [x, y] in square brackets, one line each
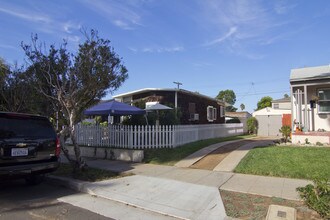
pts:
[269, 125]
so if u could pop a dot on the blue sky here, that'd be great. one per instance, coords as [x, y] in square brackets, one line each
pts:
[248, 46]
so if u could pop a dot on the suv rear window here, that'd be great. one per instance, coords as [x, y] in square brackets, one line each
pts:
[25, 127]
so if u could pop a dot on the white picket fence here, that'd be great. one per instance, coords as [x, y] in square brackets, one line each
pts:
[142, 137]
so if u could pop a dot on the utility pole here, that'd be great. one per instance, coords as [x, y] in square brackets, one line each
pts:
[178, 84]
[176, 95]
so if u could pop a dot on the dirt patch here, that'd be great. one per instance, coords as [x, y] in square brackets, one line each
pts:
[210, 161]
[248, 206]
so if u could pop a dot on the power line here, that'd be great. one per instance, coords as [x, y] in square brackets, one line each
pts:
[246, 83]
[264, 93]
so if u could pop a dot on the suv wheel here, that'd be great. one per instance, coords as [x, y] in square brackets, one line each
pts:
[34, 179]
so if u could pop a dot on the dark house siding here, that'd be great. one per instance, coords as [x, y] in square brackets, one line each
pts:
[187, 103]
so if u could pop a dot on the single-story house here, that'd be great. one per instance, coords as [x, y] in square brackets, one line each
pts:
[310, 98]
[271, 119]
[195, 108]
[242, 116]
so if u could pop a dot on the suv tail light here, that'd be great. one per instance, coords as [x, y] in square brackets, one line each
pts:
[58, 147]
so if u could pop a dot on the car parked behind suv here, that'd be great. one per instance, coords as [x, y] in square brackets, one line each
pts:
[29, 147]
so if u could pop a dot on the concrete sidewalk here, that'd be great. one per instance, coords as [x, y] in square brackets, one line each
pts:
[260, 185]
[195, 176]
[155, 196]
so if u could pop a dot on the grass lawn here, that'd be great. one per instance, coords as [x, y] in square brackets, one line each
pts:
[170, 156]
[292, 162]
[91, 174]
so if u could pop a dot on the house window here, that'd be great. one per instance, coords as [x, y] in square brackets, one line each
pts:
[324, 100]
[211, 113]
[276, 106]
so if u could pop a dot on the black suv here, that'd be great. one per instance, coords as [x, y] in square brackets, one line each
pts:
[29, 147]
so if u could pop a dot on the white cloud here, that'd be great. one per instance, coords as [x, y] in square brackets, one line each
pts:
[281, 7]
[243, 25]
[41, 22]
[26, 15]
[133, 49]
[158, 49]
[122, 24]
[163, 49]
[231, 32]
[123, 14]
[6, 46]
[70, 26]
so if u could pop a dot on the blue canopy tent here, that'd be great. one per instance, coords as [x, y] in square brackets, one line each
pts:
[114, 108]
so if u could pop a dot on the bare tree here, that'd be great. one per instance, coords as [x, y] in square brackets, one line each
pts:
[73, 82]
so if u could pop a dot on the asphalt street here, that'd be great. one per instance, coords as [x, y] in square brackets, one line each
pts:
[20, 201]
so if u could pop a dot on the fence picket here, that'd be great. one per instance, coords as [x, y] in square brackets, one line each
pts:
[159, 136]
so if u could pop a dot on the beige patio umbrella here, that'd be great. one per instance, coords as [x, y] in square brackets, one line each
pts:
[157, 107]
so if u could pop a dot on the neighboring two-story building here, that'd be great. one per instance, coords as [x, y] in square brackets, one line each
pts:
[195, 108]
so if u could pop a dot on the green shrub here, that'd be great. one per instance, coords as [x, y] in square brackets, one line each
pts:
[87, 123]
[286, 131]
[317, 197]
[98, 119]
[319, 143]
[252, 125]
[104, 124]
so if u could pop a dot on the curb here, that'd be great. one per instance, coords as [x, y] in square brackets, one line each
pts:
[82, 186]
[77, 185]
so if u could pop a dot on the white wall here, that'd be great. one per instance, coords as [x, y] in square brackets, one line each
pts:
[271, 111]
[321, 121]
[283, 105]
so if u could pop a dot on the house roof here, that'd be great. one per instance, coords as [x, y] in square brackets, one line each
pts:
[310, 73]
[282, 100]
[135, 92]
[238, 114]
[271, 111]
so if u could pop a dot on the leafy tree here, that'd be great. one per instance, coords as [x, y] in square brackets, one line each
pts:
[252, 125]
[264, 102]
[286, 95]
[14, 90]
[228, 96]
[73, 82]
[242, 106]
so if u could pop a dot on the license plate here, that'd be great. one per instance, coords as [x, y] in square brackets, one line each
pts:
[17, 152]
